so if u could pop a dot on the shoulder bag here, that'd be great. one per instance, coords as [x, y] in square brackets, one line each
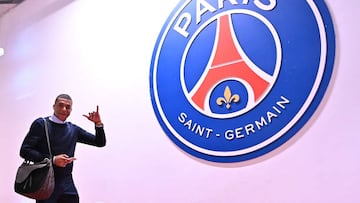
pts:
[36, 180]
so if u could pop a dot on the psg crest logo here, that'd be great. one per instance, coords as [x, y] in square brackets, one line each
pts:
[233, 80]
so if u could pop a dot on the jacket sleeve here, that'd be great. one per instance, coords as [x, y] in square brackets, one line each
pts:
[34, 147]
[98, 139]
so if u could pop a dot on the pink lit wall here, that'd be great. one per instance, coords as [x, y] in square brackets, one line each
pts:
[100, 52]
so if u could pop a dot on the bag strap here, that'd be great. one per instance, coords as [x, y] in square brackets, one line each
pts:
[47, 137]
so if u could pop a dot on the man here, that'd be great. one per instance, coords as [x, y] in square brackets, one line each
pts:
[63, 138]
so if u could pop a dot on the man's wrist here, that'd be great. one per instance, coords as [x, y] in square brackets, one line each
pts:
[98, 124]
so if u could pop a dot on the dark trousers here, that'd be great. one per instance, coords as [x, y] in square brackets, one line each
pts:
[62, 199]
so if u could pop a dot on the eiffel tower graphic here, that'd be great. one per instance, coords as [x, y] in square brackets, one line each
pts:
[228, 61]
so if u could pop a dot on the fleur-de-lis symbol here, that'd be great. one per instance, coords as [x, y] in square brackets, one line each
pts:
[228, 98]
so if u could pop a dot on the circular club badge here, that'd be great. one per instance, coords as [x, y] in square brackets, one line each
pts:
[232, 80]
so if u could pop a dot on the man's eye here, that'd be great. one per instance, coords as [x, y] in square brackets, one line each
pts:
[68, 107]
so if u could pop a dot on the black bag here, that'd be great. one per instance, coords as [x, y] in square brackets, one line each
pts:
[36, 180]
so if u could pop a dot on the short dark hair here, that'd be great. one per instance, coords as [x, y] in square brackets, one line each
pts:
[63, 96]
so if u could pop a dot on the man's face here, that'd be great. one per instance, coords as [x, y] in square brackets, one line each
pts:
[62, 108]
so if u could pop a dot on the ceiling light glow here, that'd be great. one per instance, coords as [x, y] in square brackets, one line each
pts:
[2, 51]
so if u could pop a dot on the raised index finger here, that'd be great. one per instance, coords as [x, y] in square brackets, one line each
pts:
[97, 108]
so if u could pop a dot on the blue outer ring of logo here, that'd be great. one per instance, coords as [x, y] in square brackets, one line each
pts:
[330, 57]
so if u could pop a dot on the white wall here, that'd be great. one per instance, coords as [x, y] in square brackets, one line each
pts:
[100, 51]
